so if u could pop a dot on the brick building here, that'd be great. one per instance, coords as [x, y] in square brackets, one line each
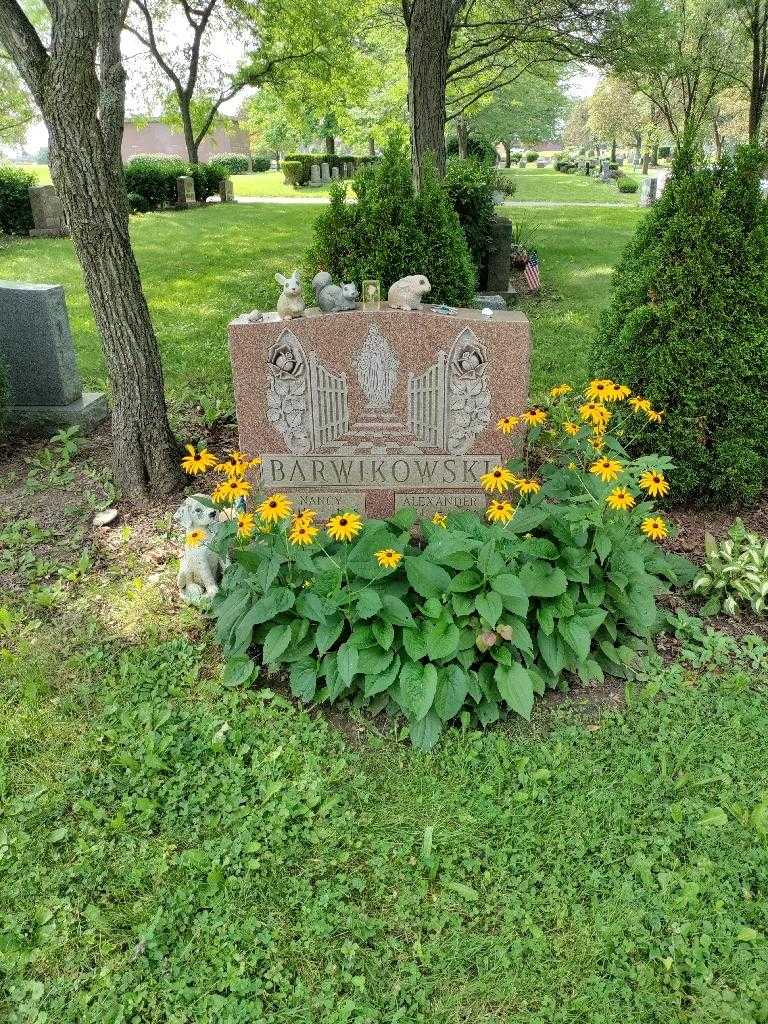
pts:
[153, 136]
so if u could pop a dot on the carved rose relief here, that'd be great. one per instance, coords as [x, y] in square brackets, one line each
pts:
[469, 398]
[287, 396]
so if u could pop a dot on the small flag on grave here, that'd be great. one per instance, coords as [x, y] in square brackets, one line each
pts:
[532, 271]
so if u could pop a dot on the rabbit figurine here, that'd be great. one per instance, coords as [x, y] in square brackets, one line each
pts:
[333, 298]
[290, 304]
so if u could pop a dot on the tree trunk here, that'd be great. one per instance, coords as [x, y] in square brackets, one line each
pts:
[277, 158]
[186, 123]
[655, 156]
[429, 36]
[646, 161]
[371, 146]
[759, 73]
[507, 154]
[638, 147]
[717, 138]
[462, 137]
[330, 145]
[613, 151]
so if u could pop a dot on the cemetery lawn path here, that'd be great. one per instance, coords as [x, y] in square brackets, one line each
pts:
[201, 268]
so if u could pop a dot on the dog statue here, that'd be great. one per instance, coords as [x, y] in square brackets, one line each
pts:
[199, 567]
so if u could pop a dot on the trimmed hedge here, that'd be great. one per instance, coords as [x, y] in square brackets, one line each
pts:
[301, 174]
[153, 177]
[627, 184]
[260, 164]
[470, 185]
[232, 163]
[530, 156]
[15, 207]
[687, 327]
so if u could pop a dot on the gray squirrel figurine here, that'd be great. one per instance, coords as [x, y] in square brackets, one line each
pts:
[333, 298]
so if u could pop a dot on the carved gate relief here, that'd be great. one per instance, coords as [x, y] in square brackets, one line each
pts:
[426, 404]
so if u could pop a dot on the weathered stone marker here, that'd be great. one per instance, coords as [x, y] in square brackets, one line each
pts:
[371, 411]
[314, 175]
[185, 192]
[36, 348]
[500, 255]
[47, 213]
[648, 191]
[226, 190]
[325, 172]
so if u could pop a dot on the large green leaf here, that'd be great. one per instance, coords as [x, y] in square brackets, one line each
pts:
[414, 644]
[311, 606]
[362, 557]
[426, 578]
[275, 642]
[418, 684]
[426, 732]
[576, 635]
[513, 594]
[347, 659]
[384, 633]
[516, 688]
[441, 638]
[489, 607]
[539, 579]
[373, 660]
[368, 604]
[328, 633]
[303, 680]
[469, 579]
[395, 611]
[452, 690]
[378, 682]
[489, 561]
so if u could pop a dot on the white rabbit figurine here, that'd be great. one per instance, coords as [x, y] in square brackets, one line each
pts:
[290, 304]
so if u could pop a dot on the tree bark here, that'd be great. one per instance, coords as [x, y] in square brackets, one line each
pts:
[186, 122]
[507, 154]
[429, 24]
[655, 156]
[613, 151]
[82, 103]
[462, 137]
[330, 145]
[646, 161]
[758, 29]
[371, 146]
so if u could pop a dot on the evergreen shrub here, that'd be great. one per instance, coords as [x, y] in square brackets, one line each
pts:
[470, 185]
[15, 207]
[627, 184]
[233, 163]
[531, 156]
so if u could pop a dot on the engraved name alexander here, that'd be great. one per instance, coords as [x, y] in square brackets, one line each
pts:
[386, 471]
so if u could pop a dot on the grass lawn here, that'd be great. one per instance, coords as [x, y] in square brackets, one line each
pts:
[546, 185]
[270, 183]
[225, 258]
[176, 851]
[41, 171]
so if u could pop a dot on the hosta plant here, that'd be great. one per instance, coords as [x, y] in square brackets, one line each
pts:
[735, 572]
[461, 616]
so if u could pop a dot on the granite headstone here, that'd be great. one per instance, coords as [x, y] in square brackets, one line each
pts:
[226, 190]
[37, 351]
[325, 172]
[47, 212]
[185, 192]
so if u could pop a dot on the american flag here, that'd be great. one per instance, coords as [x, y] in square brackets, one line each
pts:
[532, 271]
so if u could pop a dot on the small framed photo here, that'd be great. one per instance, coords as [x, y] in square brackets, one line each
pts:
[372, 295]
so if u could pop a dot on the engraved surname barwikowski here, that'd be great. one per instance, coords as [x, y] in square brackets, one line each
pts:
[396, 472]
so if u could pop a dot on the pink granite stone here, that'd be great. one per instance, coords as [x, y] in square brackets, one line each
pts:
[375, 410]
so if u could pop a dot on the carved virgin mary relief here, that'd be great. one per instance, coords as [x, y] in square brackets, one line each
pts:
[469, 397]
[377, 370]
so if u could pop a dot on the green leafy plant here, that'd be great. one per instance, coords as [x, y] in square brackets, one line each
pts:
[459, 617]
[15, 207]
[735, 572]
[235, 163]
[627, 184]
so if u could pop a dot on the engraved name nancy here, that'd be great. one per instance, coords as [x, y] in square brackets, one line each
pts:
[390, 471]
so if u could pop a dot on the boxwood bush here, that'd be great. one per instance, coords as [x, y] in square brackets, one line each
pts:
[470, 185]
[530, 156]
[15, 207]
[392, 232]
[627, 184]
[688, 325]
[232, 163]
[154, 178]
[460, 617]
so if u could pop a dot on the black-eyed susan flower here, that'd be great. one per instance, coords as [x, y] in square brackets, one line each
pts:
[598, 390]
[236, 464]
[245, 525]
[560, 390]
[497, 479]
[571, 429]
[388, 558]
[344, 526]
[654, 528]
[654, 481]
[194, 538]
[654, 416]
[440, 520]
[639, 404]
[195, 461]
[507, 424]
[500, 511]
[595, 413]
[607, 469]
[617, 392]
[527, 486]
[231, 489]
[302, 533]
[620, 499]
[274, 508]
[307, 515]
[535, 417]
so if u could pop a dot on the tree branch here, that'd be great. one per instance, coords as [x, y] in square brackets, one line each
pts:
[24, 45]
[111, 74]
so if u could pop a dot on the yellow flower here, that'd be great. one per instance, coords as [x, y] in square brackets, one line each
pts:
[302, 532]
[388, 558]
[598, 390]
[307, 515]
[497, 479]
[194, 538]
[620, 499]
[571, 429]
[654, 527]
[245, 525]
[595, 413]
[439, 519]
[572, 465]
[639, 404]
[197, 461]
[274, 508]
[231, 489]
[654, 481]
[653, 416]
[535, 417]
[344, 526]
[528, 486]
[500, 511]
[560, 390]
[617, 392]
[507, 424]
[236, 464]
[607, 469]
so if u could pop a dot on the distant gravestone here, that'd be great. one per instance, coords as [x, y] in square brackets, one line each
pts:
[226, 190]
[500, 255]
[314, 175]
[325, 172]
[47, 212]
[335, 173]
[376, 410]
[185, 192]
[648, 191]
[37, 351]
[541, 162]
